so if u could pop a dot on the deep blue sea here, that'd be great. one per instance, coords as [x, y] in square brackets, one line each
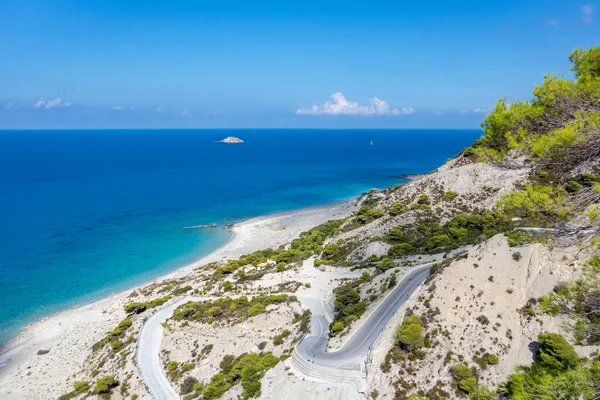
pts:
[88, 213]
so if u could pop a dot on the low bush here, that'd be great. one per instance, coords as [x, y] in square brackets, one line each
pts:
[80, 388]
[398, 209]
[304, 320]
[247, 369]
[105, 385]
[348, 308]
[188, 385]
[278, 340]
[450, 195]
[409, 335]
[465, 378]
[227, 308]
[139, 307]
[114, 336]
[306, 245]
[428, 236]
[558, 374]
[424, 199]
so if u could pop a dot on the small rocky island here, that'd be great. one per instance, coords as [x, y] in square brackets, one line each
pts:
[231, 140]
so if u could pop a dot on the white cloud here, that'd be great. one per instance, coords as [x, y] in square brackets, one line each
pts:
[118, 108]
[47, 104]
[587, 12]
[552, 22]
[9, 105]
[439, 113]
[186, 113]
[339, 105]
[481, 110]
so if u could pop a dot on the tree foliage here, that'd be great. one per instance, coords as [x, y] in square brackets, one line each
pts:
[348, 308]
[409, 335]
[247, 369]
[105, 384]
[558, 127]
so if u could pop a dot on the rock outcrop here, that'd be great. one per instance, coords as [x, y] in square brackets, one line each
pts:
[231, 140]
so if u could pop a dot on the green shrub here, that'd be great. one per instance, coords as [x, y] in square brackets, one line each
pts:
[348, 308]
[409, 335]
[396, 235]
[398, 209]
[105, 385]
[256, 309]
[468, 385]
[278, 340]
[116, 345]
[465, 377]
[486, 360]
[227, 308]
[247, 369]
[424, 199]
[555, 353]
[450, 195]
[304, 320]
[181, 290]
[337, 327]
[401, 249]
[217, 386]
[573, 186]
[188, 385]
[81, 387]
[251, 380]
[558, 374]
[385, 264]
[137, 307]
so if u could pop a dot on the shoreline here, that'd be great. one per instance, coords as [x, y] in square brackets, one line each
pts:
[271, 230]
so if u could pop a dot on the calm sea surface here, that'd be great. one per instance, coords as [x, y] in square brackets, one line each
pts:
[87, 213]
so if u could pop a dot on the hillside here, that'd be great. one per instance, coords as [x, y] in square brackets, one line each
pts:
[522, 203]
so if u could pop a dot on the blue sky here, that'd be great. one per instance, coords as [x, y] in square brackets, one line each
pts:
[331, 64]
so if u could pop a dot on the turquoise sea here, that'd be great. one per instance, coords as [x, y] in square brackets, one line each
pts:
[87, 213]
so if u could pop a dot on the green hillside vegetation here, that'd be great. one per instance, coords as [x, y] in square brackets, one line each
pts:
[428, 236]
[558, 373]
[558, 130]
[139, 307]
[114, 337]
[348, 308]
[247, 369]
[308, 244]
[227, 308]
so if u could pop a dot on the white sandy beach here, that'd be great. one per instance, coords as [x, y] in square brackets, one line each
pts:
[69, 334]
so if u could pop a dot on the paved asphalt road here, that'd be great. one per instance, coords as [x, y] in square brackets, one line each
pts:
[148, 361]
[314, 347]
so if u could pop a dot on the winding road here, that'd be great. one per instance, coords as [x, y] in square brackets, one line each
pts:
[313, 348]
[148, 361]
